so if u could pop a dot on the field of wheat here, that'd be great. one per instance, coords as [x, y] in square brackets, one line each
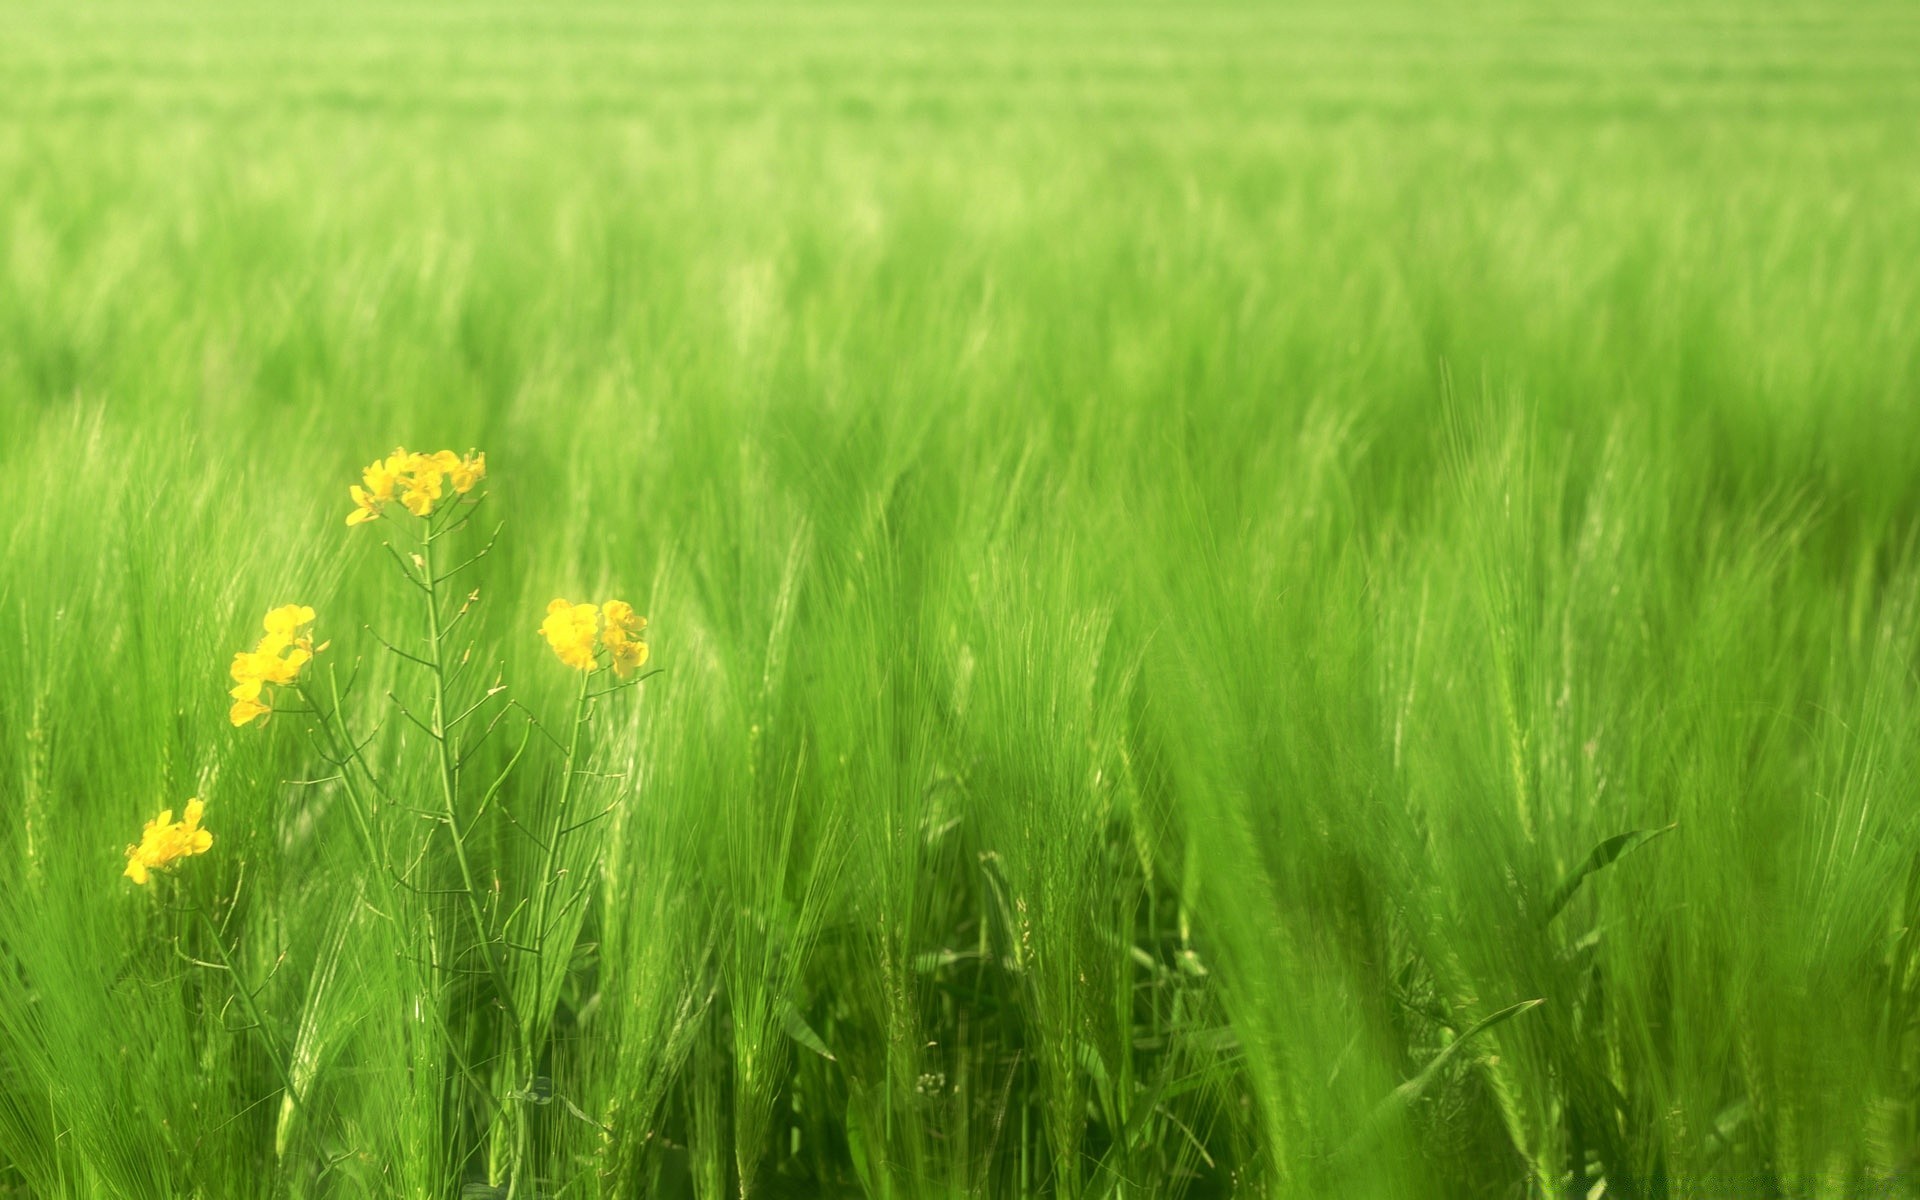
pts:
[1066, 600]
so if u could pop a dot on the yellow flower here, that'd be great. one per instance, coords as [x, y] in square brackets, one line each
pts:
[574, 629]
[417, 480]
[626, 648]
[286, 620]
[277, 659]
[628, 656]
[381, 474]
[620, 616]
[424, 480]
[366, 506]
[245, 710]
[164, 840]
[570, 629]
[468, 471]
[422, 490]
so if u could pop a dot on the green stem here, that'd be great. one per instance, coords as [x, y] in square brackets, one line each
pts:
[340, 745]
[543, 908]
[245, 995]
[449, 790]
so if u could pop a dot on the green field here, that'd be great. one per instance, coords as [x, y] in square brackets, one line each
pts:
[1257, 600]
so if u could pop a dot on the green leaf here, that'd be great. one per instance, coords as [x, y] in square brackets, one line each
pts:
[1410, 1091]
[1402, 1097]
[1604, 855]
[797, 1028]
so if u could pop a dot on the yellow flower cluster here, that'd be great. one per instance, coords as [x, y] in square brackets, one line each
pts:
[285, 649]
[578, 632]
[420, 481]
[586, 637]
[165, 839]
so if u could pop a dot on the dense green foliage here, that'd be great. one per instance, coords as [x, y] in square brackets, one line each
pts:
[1200, 560]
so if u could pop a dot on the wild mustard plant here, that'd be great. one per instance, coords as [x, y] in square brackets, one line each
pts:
[524, 943]
[430, 499]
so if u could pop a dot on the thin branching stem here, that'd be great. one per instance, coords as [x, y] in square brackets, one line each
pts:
[412, 658]
[515, 1133]
[471, 559]
[406, 572]
[246, 996]
[431, 731]
[581, 707]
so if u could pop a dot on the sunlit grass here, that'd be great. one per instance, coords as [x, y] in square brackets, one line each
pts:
[1249, 601]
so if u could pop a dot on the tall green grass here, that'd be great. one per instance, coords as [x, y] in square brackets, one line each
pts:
[1252, 601]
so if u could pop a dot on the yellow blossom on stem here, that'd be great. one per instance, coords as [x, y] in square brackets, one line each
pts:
[246, 709]
[277, 659]
[165, 840]
[378, 478]
[570, 628]
[621, 617]
[381, 474]
[417, 480]
[626, 656]
[626, 648]
[285, 621]
[468, 471]
[366, 506]
[423, 489]
[577, 633]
